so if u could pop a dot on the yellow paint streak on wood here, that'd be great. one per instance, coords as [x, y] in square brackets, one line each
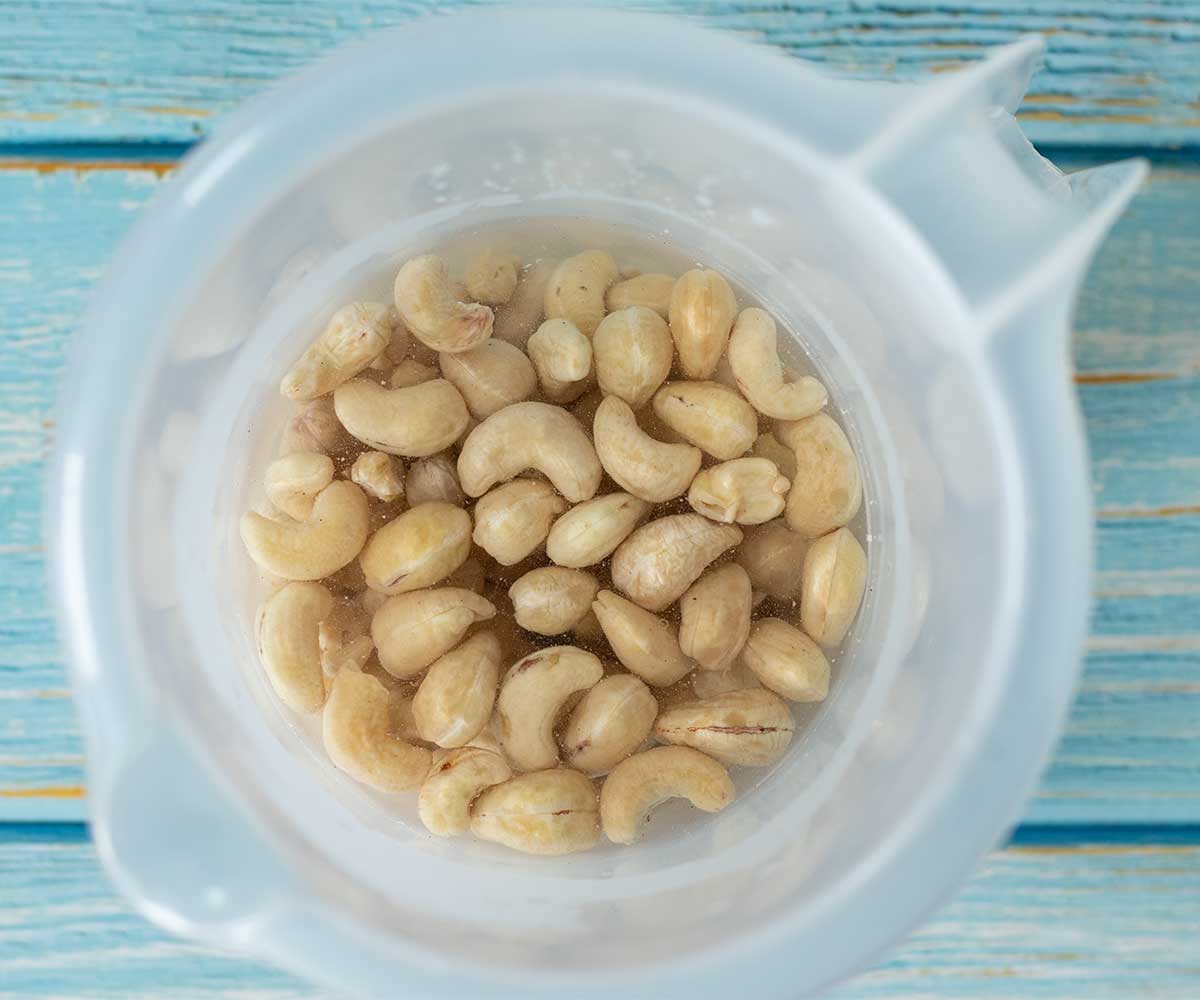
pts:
[1183, 509]
[28, 116]
[50, 792]
[1114, 378]
[180, 112]
[157, 167]
[1102, 850]
[1127, 102]
[1058, 116]
[1050, 98]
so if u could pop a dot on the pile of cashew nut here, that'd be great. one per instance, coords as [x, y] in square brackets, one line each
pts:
[553, 545]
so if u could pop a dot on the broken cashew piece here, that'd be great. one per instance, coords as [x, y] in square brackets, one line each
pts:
[343, 639]
[646, 780]
[773, 557]
[589, 532]
[701, 312]
[314, 428]
[660, 560]
[517, 319]
[613, 719]
[418, 421]
[787, 661]
[562, 357]
[490, 377]
[577, 288]
[633, 354]
[423, 545]
[454, 702]
[491, 278]
[288, 624]
[356, 335]
[455, 781]
[752, 726]
[714, 617]
[549, 812]
[329, 538]
[649, 291]
[643, 642]
[380, 475]
[552, 600]
[754, 358]
[434, 478]
[835, 576]
[293, 481]
[412, 630]
[648, 468]
[827, 488]
[741, 491]
[712, 417]
[512, 520]
[425, 299]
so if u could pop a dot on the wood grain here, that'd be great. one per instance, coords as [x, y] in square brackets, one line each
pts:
[1115, 73]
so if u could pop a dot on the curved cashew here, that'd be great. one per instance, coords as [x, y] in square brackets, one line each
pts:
[427, 304]
[411, 372]
[563, 359]
[751, 726]
[380, 475]
[420, 547]
[490, 377]
[660, 560]
[530, 436]
[417, 421]
[454, 782]
[742, 491]
[356, 335]
[643, 642]
[634, 353]
[532, 696]
[648, 468]
[551, 600]
[827, 490]
[590, 531]
[754, 358]
[434, 478]
[359, 730]
[577, 288]
[516, 320]
[701, 312]
[835, 576]
[412, 630]
[646, 780]
[491, 277]
[767, 446]
[714, 617]
[513, 519]
[330, 537]
[651, 291]
[548, 812]
[314, 428]
[773, 557]
[613, 719]
[293, 482]
[707, 683]
[709, 415]
[454, 701]
[787, 661]
[288, 624]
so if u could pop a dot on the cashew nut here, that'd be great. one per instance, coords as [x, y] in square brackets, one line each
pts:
[380, 475]
[420, 547]
[707, 683]
[752, 726]
[754, 358]
[589, 532]
[454, 701]
[428, 306]
[321, 544]
[646, 780]
[551, 600]
[563, 359]
[314, 428]
[643, 642]
[516, 320]
[714, 617]
[360, 735]
[701, 312]
[773, 556]
[548, 812]
[651, 291]
[660, 560]
[767, 445]
[613, 719]
[434, 478]
[293, 481]
[513, 519]
[827, 490]
[787, 661]
[343, 639]
[287, 644]
[710, 416]
[577, 288]
[490, 377]
[491, 277]
[741, 491]
[835, 576]
[648, 468]
[530, 436]
[532, 697]
[411, 372]
[454, 782]
[634, 353]
[417, 421]
[356, 335]
[412, 630]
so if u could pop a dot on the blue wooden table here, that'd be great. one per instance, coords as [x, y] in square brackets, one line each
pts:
[1098, 895]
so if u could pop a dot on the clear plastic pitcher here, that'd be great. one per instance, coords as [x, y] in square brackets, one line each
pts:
[927, 257]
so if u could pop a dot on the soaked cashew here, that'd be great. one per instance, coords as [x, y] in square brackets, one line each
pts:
[454, 701]
[418, 421]
[650, 291]
[591, 531]
[288, 622]
[551, 600]
[343, 639]
[314, 428]
[633, 354]
[420, 547]
[767, 446]
[330, 537]
[773, 557]
[411, 372]
[490, 377]
[660, 560]
[530, 436]
[434, 478]
[381, 476]
[643, 642]
[293, 481]
[714, 617]
[412, 630]
[752, 726]
[532, 696]
[646, 780]
[426, 302]
[513, 519]
[787, 661]
[710, 416]
[563, 359]
[491, 277]
[356, 335]
[516, 320]
[835, 576]
[754, 358]
[611, 722]
[707, 683]
[648, 468]
[742, 491]
[701, 312]
[455, 781]
[548, 812]
[577, 288]
[827, 490]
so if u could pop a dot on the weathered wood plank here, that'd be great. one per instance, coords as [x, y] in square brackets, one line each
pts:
[1115, 73]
